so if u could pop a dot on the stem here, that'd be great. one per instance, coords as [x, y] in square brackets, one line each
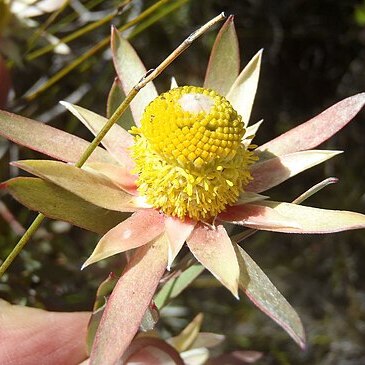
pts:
[150, 75]
[22, 242]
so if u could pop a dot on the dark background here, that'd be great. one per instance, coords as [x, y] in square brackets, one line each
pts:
[313, 57]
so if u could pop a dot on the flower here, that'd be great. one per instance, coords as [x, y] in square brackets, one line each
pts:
[178, 194]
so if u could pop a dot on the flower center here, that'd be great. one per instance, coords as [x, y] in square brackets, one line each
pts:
[189, 154]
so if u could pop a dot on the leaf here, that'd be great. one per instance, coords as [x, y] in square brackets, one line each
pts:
[258, 216]
[130, 70]
[128, 302]
[251, 132]
[142, 227]
[267, 298]
[117, 141]
[315, 220]
[224, 61]
[47, 140]
[272, 172]
[93, 188]
[57, 203]
[119, 175]
[176, 285]
[115, 98]
[28, 335]
[151, 350]
[243, 91]
[317, 130]
[185, 339]
[213, 248]
[208, 340]
[177, 231]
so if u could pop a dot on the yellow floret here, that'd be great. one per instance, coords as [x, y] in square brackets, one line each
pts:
[189, 155]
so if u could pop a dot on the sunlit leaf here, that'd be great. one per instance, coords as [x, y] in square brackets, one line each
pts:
[213, 248]
[258, 216]
[58, 203]
[177, 231]
[148, 265]
[46, 139]
[267, 298]
[224, 61]
[139, 229]
[130, 70]
[243, 91]
[317, 130]
[94, 188]
[117, 141]
[274, 171]
[185, 339]
[315, 220]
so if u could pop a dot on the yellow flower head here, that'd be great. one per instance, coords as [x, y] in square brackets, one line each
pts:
[189, 155]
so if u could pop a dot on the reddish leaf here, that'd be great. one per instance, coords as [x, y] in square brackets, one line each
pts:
[48, 140]
[317, 130]
[142, 227]
[213, 248]
[129, 301]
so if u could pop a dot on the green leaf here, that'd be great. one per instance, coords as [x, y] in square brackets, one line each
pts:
[243, 91]
[274, 171]
[115, 98]
[130, 70]
[316, 130]
[47, 140]
[176, 285]
[94, 188]
[267, 298]
[148, 265]
[117, 141]
[58, 203]
[224, 61]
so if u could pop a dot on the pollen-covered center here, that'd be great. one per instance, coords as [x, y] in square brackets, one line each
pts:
[189, 154]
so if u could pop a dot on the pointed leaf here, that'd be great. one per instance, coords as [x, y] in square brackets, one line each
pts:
[57, 203]
[176, 285]
[272, 172]
[142, 227]
[128, 302]
[213, 248]
[185, 339]
[250, 133]
[267, 298]
[130, 70]
[115, 97]
[224, 61]
[315, 220]
[46, 139]
[317, 130]
[119, 175]
[177, 232]
[258, 216]
[243, 91]
[94, 188]
[117, 141]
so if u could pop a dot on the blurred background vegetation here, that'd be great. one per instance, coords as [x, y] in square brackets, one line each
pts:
[314, 54]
